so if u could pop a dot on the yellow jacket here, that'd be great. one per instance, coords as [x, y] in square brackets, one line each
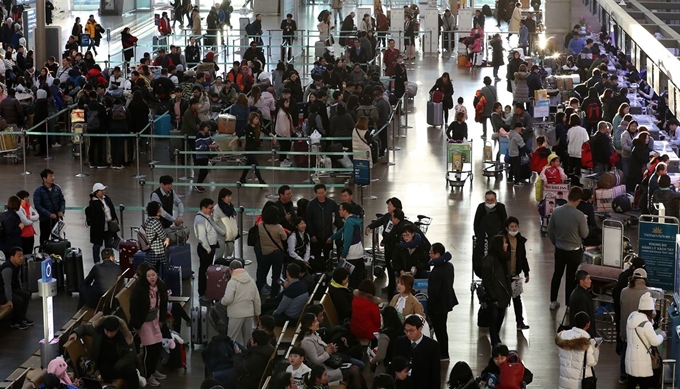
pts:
[90, 28]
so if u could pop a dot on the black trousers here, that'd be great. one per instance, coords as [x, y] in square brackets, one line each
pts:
[250, 161]
[516, 168]
[117, 151]
[205, 260]
[46, 229]
[127, 373]
[440, 331]
[202, 173]
[97, 151]
[20, 300]
[643, 382]
[150, 357]
[497, 317]
[285, 47]
[517, 305]
[321, 263]
[87, 296]
[359, 273]
[575, 165]
[284, 147]
[27, 244]
[569, 260]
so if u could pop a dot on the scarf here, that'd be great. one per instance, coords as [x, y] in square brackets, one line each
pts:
[227, 209]
[336, 285]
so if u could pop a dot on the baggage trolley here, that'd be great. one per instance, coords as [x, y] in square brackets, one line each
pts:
[554, 195]
[459, 155]
[423, 223]
[492, 166]
[10, 145]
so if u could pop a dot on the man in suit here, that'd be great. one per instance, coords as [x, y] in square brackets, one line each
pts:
[422, 352]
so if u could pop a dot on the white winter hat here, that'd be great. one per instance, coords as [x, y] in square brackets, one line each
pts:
[98, 186]
[263, 76]
[646, 302]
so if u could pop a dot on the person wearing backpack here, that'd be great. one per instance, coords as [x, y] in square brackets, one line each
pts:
[592, 107]
[638, 159]
[618, 132]
[627, 146]
[97, 122]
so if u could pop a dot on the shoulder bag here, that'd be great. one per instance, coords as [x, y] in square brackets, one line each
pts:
[653, 351]
[588, 382]
[286, 258]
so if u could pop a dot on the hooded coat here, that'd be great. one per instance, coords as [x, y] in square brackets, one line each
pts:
[241, 297]
[574, 345]
[351, 234]
[125, 349]
[365, 318]
[639, 330]
[442, 298]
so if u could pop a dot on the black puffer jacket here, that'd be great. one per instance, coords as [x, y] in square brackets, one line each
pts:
[496, 279]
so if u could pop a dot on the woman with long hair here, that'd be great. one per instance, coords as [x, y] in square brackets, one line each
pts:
[623, 110]
[224, 215]
[252, 132]
[241, 110]
[148, 312]
[445, 86]
[608, 111]
[284, 128]
[128, 41]
[496, 283]
[639, 158]
[272, 239]
[409, 37]
[77, 30]
[392, 328]
[264, 102]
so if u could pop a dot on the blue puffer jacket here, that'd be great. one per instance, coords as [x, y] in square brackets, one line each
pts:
[47, 202]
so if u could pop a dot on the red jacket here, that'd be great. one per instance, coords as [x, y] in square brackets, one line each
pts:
[553, 175]
[539, 159]
[365, 318]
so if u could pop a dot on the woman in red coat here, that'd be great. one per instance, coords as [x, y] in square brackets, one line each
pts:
[365, 318]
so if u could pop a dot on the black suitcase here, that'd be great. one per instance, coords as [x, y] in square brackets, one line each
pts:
[172, 276]
[73, 270]
[31, 272]
[483, 316]
[58, 273]
[56, 247]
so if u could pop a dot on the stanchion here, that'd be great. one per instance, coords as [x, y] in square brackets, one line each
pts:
[177, 170]
[273, 195]
[369, 196]
[246, 262]
[142, 182]
[186, 160]
[80, 151]
[24, 138]
[48, 157]
[309, 163]
[151, 159]
[121, 208]
[393, 148]
[406, 126]
[138, 175]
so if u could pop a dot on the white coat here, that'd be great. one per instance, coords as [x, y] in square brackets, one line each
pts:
[638, 362]
[574, 345]
[226, 224]
[576, 137]
[359, 145]
[514, 21]
[266, 104]
[241, 297]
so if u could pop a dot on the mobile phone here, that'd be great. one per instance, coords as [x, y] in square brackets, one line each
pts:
[281, 281]
[236, 346]
[598, 341]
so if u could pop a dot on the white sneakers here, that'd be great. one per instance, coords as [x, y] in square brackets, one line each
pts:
[159, 376]
[554, 305]
[151, 381]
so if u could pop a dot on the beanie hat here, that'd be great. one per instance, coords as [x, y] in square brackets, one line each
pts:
[210, 55]
[646, 302]
[41, 94]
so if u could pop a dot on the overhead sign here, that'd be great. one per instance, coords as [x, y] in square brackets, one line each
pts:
[657, 245]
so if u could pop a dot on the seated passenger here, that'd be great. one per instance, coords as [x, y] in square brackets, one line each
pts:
[365, 318]
[553, 173]
[112, 350]
[11, 293]
[340, 294]
[295, 295]
[411, 254]
[101, 278]
[249, 365]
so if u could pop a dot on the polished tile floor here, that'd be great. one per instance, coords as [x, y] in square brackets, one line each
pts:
[417, 179]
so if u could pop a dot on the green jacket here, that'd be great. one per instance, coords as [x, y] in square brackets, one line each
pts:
[348, 232]
[190, 123]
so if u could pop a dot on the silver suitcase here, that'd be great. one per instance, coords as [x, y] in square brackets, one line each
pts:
[592, 257]
[199, 326]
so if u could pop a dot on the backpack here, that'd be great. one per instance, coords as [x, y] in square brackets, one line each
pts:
[587, 155]
[622, 203]
[143, 239]
[250, 30]
[593, 112]
[551, 136]
[437, 96]
[219, 353]
[93, 119]
[118, 112]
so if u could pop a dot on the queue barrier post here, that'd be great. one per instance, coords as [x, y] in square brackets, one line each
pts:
[48, 157]
[138, 175]
[176, 153]
[273, 194]
[80, 152]
[406, 126]
[24, 144]
[121, 208]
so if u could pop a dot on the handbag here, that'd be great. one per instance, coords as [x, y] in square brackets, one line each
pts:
[334, 361]
[653, 351]
[253, 236]
[588, 382]
[517, 287]
[562, 326]
[113, 226]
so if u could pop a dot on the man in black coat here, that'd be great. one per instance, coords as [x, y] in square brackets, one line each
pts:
[602, 147]
[488, 222]
[319, 219]
[286, 208]
[249, 365]
[422, 352]
[582, 301]
[101, 278]
[441, 296]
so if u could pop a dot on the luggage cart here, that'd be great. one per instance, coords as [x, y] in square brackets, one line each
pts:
[10, 145]
[492, 166]
[459, 155]
[423, 223]
[78, 127]
[554, 195]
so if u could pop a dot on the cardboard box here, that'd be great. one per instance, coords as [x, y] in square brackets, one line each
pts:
[226, 123]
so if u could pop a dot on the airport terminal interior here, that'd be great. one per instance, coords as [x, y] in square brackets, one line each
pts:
[416, 174]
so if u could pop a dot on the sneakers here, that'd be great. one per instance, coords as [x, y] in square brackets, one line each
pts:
[151, 381]
[444, 359]
[522, 326]
[519, 183]
[158, 375]
[19, 326]
[102, 167]
[623, 380]
[286, 163]
[266, 289]
[554, 305]
[56, 144]
[117, 167]
[199, 189]
[28, 322]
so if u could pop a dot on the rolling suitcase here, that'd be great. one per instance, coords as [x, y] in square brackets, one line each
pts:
[137, 259]
[216, 277]
[181, 256]
[57, 247]
[199, 325]
[127, 249]
[172, 276]
[73, 270]
[162, 125]
[435, 113]
[30, 274]
[319, 49]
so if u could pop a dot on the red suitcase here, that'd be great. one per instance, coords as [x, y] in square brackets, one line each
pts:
[216, 278]
[127, 249]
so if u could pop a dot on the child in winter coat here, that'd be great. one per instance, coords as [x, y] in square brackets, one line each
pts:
[461, 108]
[539, 158]
[553, 173]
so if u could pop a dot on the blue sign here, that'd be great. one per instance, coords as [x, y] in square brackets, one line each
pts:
[657, 246]
[46, 270]
[362, 172]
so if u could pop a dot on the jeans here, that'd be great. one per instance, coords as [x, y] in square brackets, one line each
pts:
[96, 249]
[441, 332]
[274, 262]
[569, 260]
[205, 259]
[495, 71]
[497, 317]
